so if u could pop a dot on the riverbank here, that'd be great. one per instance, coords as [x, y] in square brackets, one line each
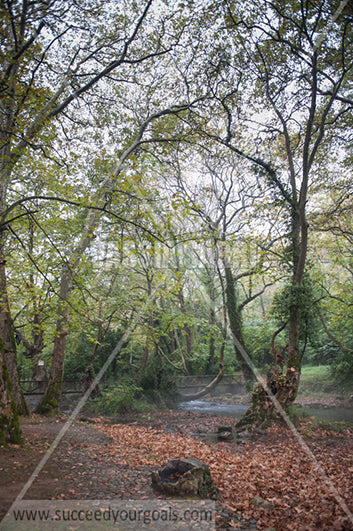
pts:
[316, 389]
[316, 399]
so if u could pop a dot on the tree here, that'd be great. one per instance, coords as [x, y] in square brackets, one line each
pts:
[332, 249]
[53, 54]
[49, 402]
[282, 111]
[222, 196]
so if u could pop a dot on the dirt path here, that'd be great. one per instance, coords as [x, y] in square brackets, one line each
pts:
[82, 467]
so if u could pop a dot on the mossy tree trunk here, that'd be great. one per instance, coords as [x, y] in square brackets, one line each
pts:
[9, 423]
[235, 321]
[12, 402]
[8, 344]
[283, 378]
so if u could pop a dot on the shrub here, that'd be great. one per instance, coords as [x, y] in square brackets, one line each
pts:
[342, 371]
[158, 379]
[116, 399]
[323, 354]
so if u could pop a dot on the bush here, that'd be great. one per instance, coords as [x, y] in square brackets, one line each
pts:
[158, 379]
[116, 399]
[200, 363]
[79, 356]
[326, 353]
[257, 336]
[342, 371]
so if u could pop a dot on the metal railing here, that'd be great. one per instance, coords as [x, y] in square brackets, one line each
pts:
[33, 387]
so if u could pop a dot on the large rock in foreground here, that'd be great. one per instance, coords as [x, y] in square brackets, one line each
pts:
[186, 477]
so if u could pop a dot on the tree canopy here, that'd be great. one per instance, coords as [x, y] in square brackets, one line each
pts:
[185, 167]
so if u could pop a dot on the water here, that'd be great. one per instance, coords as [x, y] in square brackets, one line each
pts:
[214, 408]
[333, 414]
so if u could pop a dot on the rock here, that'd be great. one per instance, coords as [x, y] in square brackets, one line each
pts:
[224, 433]
[259, 431]
[263, 504]
[244, 435]
[186, 477]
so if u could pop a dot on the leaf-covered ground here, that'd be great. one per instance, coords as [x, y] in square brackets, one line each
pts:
[273, 466]
[114, 461]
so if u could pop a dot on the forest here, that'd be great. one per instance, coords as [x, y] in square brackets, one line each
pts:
[176, 197]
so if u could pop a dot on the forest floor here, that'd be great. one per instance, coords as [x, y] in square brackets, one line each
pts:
[106, 461]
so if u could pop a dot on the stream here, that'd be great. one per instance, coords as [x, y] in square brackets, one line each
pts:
[221, 409]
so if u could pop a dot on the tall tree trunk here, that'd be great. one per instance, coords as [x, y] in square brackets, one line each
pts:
[212, 343]
[186, 327]
[11, 397]
[283, 379]
[12, 402]
[50, 401]
[180, 350]
[187, 333]
[8, 343]
[170, 342]
[235, 321]
[145, 356]
[219, 376]
[211, 290]
[9, 423]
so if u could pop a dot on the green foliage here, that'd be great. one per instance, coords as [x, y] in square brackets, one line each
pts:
[80, 356]
[302, 299]
[117, 399]
[200, 360]
[158, 379]
[257, 336]
[289, 296]
[316, 379]
[342, 369]
[45, 234]
[231, 364]
[325, 353]
[24, 364]
[77, 360]
[320, 380]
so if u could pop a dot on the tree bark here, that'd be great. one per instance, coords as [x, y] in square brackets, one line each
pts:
[145, 355]
[212, 293]
[50, 401]
[235, 321]
[8, 343]
[11, 397]
[9, 423]
[186, 327]
[212, 344]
